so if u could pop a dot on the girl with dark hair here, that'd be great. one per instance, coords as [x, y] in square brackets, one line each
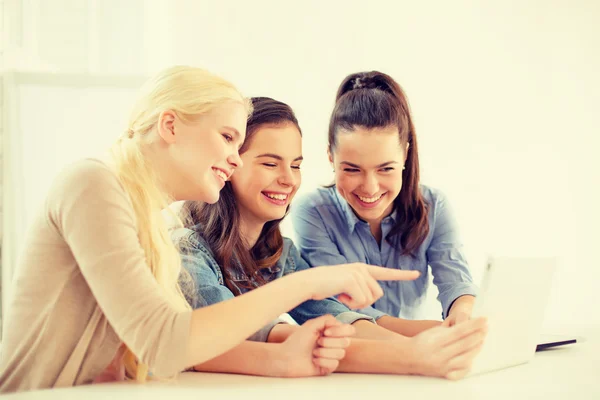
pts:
[377, 212]
[235, 245]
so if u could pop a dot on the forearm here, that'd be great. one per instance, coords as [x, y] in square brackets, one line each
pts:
[368, 330]
[464, 302]
[248, 358]
[218, 328]
[378, 357]
[373, 349]
[406, 327]
[363, 328]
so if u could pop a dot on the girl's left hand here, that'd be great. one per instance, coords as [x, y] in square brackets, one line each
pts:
[456, 317]
[315, 348]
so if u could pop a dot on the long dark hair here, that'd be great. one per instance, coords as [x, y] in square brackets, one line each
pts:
[221, 221]
[374, 100]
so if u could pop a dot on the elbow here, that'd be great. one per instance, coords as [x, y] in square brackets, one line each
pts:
[165, 347]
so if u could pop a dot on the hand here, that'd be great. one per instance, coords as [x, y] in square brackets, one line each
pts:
[315, 348]
[448, 352]
[356, 282]
[456, 317]
[461, 310]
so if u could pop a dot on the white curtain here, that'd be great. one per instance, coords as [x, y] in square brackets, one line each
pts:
[70, 69]
[51, 121]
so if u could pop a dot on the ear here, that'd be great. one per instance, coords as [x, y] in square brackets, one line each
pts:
[330, 157]
[166, 126]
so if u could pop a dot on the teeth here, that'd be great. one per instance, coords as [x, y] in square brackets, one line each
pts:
[221, 174]
[277, 196]
[369, 199]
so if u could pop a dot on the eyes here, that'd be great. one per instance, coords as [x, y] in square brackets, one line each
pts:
[355, 170]
[229, 139]
[274, 165]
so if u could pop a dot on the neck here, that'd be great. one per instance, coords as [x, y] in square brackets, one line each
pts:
[167, 178]
[250, 229]
[375, 224]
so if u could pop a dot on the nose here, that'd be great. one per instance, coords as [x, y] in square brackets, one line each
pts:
[235, 160]
[370, 184]
[287, 178]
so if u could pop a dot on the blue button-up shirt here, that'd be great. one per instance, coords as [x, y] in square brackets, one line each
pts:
[329, 233]
[209, 284]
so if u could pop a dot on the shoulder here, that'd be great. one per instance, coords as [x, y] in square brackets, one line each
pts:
[430, 193]
[196, 254]
[290, 256]
[323, 196]
[191, 239]
[87, 184]
[321, 203]
[435, 198]
[440, 211]
[90, 172]
[288, 246]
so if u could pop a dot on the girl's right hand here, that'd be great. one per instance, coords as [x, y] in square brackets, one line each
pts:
[448, 352]
[356, 284]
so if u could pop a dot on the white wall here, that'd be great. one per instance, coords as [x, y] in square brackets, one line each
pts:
[503, 95]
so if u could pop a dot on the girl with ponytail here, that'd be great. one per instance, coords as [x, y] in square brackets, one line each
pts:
[378, 212]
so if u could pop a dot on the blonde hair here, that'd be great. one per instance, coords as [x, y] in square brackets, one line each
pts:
[189, 92]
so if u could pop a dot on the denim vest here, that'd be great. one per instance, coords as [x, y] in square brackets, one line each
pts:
[209, 284]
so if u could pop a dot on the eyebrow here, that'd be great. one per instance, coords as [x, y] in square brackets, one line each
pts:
[278, 157]
[385, 164]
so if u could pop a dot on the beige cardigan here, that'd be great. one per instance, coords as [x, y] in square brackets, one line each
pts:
[82, 287]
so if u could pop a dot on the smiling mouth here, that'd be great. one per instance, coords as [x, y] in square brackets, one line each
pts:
[276, 198]
[369, 200]
[220, 174]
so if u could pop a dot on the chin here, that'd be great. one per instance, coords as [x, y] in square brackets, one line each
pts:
[210, 197]
[371, 214]
[274, 217]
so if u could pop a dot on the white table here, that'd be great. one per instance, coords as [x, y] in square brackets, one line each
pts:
[571, 372]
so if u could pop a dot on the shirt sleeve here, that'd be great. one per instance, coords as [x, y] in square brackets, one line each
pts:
[92, 212]
[315, 308]
[316, 246]
[446, 257]
[208, 285]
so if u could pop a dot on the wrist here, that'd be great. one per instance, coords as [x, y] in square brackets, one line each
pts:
[462, 303]
[383, 319]
[461, 308]
[294, 289]
[410, 362]
[278, 361]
